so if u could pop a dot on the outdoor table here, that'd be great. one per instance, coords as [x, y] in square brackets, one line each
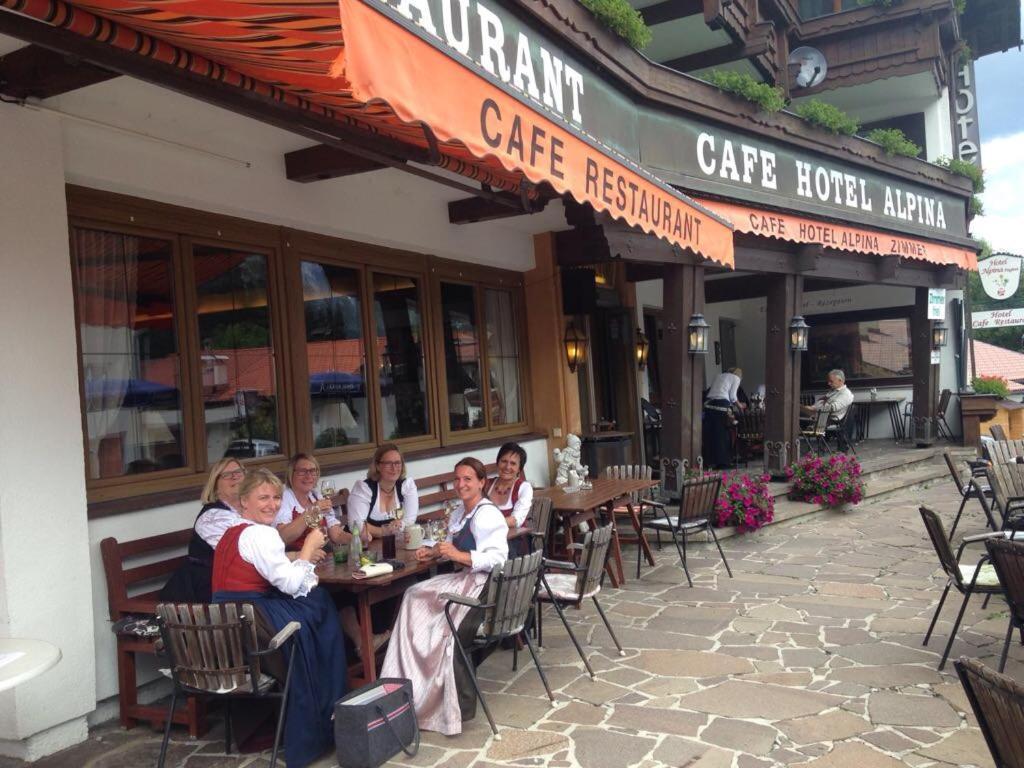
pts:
[22, 659]
[369, 592]
[582, 507]
[863, 402]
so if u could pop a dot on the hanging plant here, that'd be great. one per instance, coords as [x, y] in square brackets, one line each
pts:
[622, 19]
[968, 171]
[826, 116]
[894, 142]
[768, 97]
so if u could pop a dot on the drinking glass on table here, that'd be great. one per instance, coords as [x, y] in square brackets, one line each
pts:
[328, 490]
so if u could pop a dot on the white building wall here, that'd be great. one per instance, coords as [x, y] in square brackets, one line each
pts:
[44, 554]
[938, 129]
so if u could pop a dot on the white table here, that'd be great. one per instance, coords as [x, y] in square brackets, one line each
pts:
[34, 658]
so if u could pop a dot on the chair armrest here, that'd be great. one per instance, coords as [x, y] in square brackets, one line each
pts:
[451, 597]
[652, 503]
[536, 535]
[281, 637]
[575, 545]
[983, 536]
[559, 565]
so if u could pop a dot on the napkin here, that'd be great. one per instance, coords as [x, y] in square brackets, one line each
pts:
[372, 571]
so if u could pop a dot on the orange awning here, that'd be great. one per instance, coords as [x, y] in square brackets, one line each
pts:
[388, 82]
[839, 237]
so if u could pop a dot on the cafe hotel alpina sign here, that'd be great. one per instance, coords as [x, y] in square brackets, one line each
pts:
[1003, 304]
[478, 72]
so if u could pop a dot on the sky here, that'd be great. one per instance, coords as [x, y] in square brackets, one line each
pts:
[1001, 117]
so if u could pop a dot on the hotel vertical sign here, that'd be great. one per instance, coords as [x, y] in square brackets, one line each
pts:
[966, 131]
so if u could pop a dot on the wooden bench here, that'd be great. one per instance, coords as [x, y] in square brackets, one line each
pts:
[435, 490]
[123, 572]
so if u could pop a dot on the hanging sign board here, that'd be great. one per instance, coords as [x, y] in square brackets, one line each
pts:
[1003, 302]
[936, 303]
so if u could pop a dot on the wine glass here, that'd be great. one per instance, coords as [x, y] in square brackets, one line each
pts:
[328, 490]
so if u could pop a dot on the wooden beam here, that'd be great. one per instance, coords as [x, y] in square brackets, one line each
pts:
[474, 209]
[670, 10]
[321, 162]
[637, 273]
[782, 372]
[714, 57]
[926, 375]
[38, 73]
[735, 288]
[682, 374]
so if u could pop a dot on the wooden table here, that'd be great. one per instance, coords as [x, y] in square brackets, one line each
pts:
[583, 506]
[369, 592]
[25, 659]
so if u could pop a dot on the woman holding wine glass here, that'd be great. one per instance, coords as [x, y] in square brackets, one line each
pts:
[303, 507]
[386, 501]
[422, 646]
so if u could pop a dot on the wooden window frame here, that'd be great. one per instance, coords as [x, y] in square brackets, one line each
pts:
[859, 316]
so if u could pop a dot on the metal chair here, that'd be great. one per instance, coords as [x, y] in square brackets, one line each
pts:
[839, 430]
[812, 433]
[1007, 558]
[998, 433]
[966, 488]
[213, 651]
[967, 579]
[575, 583]
[696, 510]
[941, 425]
[998, 703]
[510, 594]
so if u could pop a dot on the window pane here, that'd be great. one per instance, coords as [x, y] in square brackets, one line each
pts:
[462, 357]
[130, 364]
[237, 357]
[336, 355]
[869, 349]
[403, 379]
[503, 357]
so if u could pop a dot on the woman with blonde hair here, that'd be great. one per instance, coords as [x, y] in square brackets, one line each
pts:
[374, 503]
[720, 402]
[302, 504]
[191, 582]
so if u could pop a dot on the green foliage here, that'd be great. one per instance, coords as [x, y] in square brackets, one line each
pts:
[894, 142]
[960, 6]
[977, 208]
[826, 116]
[768, 97]
[991, 385]
[622, 19]
[965, 169]
[965, 55]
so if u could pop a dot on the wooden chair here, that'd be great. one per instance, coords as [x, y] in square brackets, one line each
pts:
[633, 506]
[840, 432]
[510, 594]
[812, 433]
[941, 425]
[998, 433]
[212, 651]
[966, 488]
[696, 511]
[1006, 482]
[539, 519]
[749, 433]
[1004, 451]
[967, 579]
[1007, 558]
[998, 703]
[569, 584]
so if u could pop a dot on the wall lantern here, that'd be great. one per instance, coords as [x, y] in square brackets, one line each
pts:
[798, 330]
[643, 349]
[939, 335]
[575, 347]
[697, 343]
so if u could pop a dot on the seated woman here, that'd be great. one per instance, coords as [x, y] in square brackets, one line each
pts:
[301, 503]
[718, 406]
[191, 582]
[510, 491]
[422, 644]
[375, 501]
[250, 565]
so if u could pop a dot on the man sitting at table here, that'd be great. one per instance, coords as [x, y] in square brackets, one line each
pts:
[836, 401]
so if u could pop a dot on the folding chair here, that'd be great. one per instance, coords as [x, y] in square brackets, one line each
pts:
[812, 433]
[998, 703]
[966, 488]
[1007, 558]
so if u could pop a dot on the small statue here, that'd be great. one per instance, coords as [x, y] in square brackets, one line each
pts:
[568, 460]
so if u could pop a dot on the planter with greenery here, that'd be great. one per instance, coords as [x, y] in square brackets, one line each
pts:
[991, 385]
[622, 19]
[824, 115]
[832, 482]
[893, 141]
[968, 171]
[768, 97]
[745, 502]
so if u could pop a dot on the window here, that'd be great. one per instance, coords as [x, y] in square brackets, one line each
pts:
[403, 379]
[131, 372]
[503, 357]
[461, 357]
[335, 355]
[812, 9]
[237, 353]
[870, 347]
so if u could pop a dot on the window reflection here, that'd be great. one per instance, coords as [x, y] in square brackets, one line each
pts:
[399, 328]
[237, 353]
[864, 350]
[336, 355]
[502, 357]
[130, 365]
[462, 357]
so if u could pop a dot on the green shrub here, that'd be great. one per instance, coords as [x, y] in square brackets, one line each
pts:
[977, 208]
[832, 119]
[622, 19]
[894, 142]
[991, 385]
[965, 169]
[768, 97]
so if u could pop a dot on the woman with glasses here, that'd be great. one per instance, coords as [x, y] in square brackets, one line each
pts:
[302, 505]
[191, 582]
[386, 501]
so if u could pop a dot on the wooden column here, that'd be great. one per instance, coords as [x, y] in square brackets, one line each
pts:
[682, 374]
[782, 372]
[926, 375]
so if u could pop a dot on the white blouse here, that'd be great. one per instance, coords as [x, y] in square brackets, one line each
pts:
[725, 386]
[263, 547]
[212, 524]
[290, 504]
[359, 503]
[489, 530]
[521, 509]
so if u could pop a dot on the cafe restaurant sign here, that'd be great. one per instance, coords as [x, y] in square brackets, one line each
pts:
[526, 64]
[1003, 303]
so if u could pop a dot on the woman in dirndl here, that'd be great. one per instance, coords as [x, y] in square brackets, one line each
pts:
[250, 566]
[422, 647]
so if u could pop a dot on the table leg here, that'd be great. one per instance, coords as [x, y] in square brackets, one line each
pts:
[366, 637]
[616, 547]
[897, 422]
[634, 518]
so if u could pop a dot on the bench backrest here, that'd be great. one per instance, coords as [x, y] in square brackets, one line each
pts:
[1003, 451]
[123, 577]
[435, 490]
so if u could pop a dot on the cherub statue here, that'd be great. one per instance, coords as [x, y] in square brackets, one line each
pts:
[568, 460]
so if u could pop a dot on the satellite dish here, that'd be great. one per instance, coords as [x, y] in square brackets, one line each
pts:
[811, 66]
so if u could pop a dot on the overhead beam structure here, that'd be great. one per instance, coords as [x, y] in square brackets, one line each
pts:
[321, 162]
[34, 72]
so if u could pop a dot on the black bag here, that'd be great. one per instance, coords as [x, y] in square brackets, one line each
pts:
[375, 723]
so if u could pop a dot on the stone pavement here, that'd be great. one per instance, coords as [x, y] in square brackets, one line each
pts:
[810, 656]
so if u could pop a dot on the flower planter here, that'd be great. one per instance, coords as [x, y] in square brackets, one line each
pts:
[974, 409]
